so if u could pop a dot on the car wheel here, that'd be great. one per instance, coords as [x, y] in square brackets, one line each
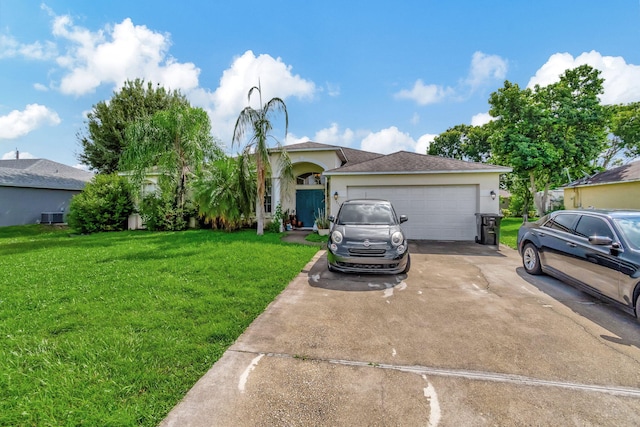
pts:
[638, 308]
[531, 259]
[408, 266]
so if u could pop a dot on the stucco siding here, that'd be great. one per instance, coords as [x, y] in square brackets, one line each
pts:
[623, 195]
[20, 206]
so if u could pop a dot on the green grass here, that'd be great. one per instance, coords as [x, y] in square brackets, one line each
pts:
[316, 238]
[509, 231]
[115, 328]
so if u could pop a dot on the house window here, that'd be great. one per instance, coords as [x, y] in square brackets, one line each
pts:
[310, 178]
[267, 196]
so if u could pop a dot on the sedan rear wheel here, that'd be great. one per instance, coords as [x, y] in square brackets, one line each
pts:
[531, 259]
[638, 308]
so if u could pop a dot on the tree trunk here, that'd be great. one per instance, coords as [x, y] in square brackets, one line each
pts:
[260, 216]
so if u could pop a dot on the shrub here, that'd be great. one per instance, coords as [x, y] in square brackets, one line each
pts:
[160, 213]
[104, 205]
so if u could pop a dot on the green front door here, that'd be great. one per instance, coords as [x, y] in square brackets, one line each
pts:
[307, 204]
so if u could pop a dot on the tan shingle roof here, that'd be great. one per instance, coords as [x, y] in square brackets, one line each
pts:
[403, 162]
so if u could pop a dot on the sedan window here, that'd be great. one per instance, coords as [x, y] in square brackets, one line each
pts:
[562, 222]
[630, 227]
[592, 226]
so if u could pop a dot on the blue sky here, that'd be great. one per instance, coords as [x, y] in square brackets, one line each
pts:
[379, 76]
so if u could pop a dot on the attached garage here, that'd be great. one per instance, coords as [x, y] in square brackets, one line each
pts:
[436, 212]
[441, 196]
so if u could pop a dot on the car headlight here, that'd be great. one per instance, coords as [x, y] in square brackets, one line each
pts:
[397, 238]
[336, 236]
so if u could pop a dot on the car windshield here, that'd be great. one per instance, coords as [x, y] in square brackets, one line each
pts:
[630, 227]
[366, 214]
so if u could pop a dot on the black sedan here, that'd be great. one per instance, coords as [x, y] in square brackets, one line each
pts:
[595, 250]
[366, 237]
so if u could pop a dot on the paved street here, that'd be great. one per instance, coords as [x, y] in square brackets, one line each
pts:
[466, 338]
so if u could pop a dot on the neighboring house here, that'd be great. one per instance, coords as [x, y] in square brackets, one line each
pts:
[31, 187]
[439, 195]
[617, 188]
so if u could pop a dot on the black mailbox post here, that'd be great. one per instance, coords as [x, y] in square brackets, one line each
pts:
[488, 229]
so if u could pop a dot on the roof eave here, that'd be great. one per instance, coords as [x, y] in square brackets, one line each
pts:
[338, 172]
[603, 183]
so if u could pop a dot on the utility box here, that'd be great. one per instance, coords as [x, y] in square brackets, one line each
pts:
[488, 229]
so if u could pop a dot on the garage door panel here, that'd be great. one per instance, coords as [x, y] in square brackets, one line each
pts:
[435, 212]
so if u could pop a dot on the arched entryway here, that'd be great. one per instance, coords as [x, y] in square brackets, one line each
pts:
[310, 194]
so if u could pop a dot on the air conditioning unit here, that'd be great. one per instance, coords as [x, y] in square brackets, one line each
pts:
[51, 217]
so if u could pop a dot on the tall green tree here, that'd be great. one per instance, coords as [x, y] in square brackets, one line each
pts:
[176, 143]
[625, 125]
[546, 132]
[104, 139]
[463, 142]
[257, 124]
[225, 192]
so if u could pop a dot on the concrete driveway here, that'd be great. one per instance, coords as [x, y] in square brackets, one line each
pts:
[466, 338]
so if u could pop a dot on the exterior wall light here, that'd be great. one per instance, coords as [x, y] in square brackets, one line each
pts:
[493, 195]
[335, 196]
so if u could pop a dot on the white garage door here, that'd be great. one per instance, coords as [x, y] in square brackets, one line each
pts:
[436, 212]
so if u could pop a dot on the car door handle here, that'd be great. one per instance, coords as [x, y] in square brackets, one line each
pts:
[571, 245]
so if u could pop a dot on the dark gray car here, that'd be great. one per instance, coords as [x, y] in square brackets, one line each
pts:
[596, 250]
[366, 237]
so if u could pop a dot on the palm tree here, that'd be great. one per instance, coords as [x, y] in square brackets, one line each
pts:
[258, 124]
[225, 192]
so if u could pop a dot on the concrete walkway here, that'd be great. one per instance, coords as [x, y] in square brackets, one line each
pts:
[467, 338]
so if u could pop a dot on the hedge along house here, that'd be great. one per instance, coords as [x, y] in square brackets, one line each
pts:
[617, 188]
[439, 195]
[37, 190]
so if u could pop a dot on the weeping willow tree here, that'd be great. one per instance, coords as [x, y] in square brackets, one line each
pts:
[174, 143]
[256, 123]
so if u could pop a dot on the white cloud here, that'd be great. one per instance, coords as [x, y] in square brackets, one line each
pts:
[11, 48]
[486, 69]
[40, 87]
[391, 139]
[424, 142]
[333, 89]
[621, 80]
[481, 119]
[19, 123]
[117, 53]
[425, 94]
[276, 80]
[12, 155]
[415, 119]
[332, 135]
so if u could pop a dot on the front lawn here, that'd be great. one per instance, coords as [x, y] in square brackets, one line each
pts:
[509, 231]
[115, 328]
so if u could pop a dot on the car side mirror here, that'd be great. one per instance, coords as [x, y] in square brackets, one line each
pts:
[600, 240]
[332, 218]
[403, 218]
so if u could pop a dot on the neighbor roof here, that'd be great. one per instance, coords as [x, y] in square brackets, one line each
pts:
[42, 173]
[625, 173]
[404, 162]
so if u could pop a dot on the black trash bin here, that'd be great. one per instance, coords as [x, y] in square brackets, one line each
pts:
[488, 229]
